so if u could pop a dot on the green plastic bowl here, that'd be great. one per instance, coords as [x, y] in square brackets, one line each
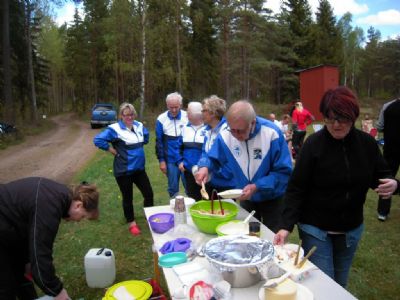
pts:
[208, 223]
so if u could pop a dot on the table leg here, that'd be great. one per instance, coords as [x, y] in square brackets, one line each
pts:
[155, 267]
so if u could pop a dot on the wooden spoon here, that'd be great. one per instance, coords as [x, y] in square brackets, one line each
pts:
[203, 191]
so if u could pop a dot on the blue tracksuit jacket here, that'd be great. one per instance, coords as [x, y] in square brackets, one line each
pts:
[221, 175]
[168, 134]
[192, 145]
[263, 159]
[129, 145]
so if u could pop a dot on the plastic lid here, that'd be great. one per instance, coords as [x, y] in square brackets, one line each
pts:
[141, 290]
[171, 259]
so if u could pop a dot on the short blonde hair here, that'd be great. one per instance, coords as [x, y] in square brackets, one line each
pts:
[215, 105]
[129, 106]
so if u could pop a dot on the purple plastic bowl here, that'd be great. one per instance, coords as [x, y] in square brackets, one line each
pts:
[161, 222]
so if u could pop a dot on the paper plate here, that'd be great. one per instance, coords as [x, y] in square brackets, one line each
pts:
[171, 259]
[303, 293]
[230, 194]
[140, 290]
[287, 252]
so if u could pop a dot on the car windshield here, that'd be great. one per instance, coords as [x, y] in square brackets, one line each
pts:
[102, 108]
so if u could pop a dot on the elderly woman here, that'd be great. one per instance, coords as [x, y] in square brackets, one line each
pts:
[191, 144]
[127, 138]
[213, 111]
[326, 193]
[31, 210]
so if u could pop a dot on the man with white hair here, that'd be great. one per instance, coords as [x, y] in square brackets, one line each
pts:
[257, 154]
[168, 132]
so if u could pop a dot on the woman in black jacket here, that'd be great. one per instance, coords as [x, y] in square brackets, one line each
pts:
[326, 193]
[31, 210]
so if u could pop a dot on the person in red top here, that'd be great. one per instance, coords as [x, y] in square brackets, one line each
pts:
[301, 118]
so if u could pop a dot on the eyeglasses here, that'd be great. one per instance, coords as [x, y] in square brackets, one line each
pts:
[204, 110]
[128, 115]
[340, 120]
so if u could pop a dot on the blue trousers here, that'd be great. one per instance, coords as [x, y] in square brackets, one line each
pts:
[335, 252]
[173, 174]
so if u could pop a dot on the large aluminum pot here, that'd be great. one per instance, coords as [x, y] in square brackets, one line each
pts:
[238, 258]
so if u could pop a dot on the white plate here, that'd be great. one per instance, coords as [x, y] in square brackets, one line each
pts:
[231, 194]
[287, 252]
[303, 293]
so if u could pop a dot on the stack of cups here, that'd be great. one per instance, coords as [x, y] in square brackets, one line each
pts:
[180, 211]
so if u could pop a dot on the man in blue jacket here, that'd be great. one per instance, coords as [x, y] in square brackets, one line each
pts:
[256, 152]
[169, 127]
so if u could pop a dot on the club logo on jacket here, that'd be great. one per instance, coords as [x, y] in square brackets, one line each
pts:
[236, 150]
[257, 153]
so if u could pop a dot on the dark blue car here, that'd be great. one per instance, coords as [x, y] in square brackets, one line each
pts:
[103, 114]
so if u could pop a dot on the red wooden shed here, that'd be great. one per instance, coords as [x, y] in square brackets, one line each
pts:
[314, 82]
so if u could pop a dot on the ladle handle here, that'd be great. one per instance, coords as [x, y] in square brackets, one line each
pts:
[249, 216]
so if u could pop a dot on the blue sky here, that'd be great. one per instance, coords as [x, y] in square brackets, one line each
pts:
[383, 15]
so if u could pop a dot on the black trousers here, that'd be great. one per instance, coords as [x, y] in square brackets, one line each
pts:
[268, 211]
[125, 184]
[13, 258]
[192, 188]
[298, 140]
[393, 161]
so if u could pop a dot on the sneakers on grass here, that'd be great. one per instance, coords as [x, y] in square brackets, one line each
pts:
[134, 229]
[382, 218]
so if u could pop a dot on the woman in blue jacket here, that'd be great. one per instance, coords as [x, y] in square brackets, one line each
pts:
[127, 138]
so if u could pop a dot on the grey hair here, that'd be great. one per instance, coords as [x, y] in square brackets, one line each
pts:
[194, 107]
[216, 105]
[174, 95]
[129, 106]
[241, 109]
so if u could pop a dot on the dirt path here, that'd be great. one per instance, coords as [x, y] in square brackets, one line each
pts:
[57, 154]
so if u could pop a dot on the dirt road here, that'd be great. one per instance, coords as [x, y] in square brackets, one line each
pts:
[57, 154]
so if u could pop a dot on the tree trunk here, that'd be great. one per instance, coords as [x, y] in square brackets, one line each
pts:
[9, 113]
[225, 59]
[178, 49]
[143, 73]
[31, 74]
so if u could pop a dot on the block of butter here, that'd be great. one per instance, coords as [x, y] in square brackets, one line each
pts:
[298, 274]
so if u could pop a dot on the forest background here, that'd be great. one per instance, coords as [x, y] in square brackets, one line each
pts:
[141, 50]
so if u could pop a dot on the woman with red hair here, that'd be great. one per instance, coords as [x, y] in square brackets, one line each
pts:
[326, 193]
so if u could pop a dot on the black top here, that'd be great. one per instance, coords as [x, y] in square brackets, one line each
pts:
[330, 181]
[391, 131]
[33, 208]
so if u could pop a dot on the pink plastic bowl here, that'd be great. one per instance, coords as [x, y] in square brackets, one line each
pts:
[161, 222]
